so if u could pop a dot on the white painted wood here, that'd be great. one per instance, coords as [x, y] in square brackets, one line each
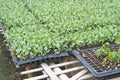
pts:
[45, 74]
[49, 71]
[52, 66]
[86, 76]
[37, 77]
[1, 31]
[31, 71]
[61, 76]
[64, 64]
[69, 70]
[76, 76]
[118, 78]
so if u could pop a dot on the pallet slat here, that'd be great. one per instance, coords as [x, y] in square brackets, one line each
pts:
[64, 64]
[53, 71]
[31, 71]
[61, 76]
[69, 70]
[37, 77]
[118, 78]
[76, 76]
[87, 76]
[49, 71]
[52, 66]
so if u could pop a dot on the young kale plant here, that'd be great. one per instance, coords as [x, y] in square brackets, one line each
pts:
[108, 55]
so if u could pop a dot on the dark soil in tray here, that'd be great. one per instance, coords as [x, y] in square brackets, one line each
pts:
[88, 58]
[96, 63]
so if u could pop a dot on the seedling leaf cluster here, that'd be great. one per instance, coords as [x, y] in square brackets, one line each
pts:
[108, 55]
[41, 27]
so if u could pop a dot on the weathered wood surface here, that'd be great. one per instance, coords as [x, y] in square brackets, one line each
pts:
[52, 71]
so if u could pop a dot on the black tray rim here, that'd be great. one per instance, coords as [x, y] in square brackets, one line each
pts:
[38, 58]
[19, 63]
[90, 68]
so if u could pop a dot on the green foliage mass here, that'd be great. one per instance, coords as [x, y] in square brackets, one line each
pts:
[37, 27]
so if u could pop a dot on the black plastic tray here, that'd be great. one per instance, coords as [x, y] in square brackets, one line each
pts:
[2, 38]
[90, 65]
[1, 31]
[38, 59]
[19, 62]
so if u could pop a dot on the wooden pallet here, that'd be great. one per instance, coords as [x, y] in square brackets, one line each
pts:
[52, 71]
[71, 69]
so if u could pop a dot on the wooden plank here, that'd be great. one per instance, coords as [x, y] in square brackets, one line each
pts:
[61, 76]
[49, 71]
[69, 70]
[1, 31]
[52, 66]
[64, 64]
[31, 71]
[37, 77]
[118, 78]
[87, 76]
[46, 74]
[75, 77]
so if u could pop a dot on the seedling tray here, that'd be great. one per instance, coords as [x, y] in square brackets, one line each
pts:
[39, 59]
[94, 65]
[18, 62]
